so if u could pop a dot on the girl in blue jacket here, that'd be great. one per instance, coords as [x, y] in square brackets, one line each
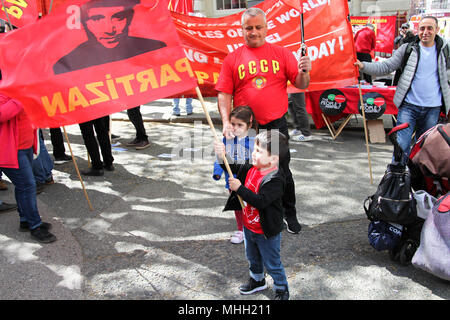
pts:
[239, 149]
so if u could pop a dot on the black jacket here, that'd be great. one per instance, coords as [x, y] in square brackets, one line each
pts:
[267, 200]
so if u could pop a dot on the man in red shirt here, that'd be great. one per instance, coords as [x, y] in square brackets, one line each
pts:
[256, 75]
[365, 41]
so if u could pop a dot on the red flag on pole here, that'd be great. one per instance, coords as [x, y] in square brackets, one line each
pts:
[19, 12]
[328, 36]
[88, 59]
[181, 6]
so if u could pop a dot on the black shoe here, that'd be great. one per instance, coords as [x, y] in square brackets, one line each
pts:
[93, 172]
[252, 286]
[292, 225]
[49, 181]
[4, 207]
[133, 143]
[42, 235]
[109, 167]
[63, 159]
[40, 187]
[281, 295]
[24, 226]
[142, 145]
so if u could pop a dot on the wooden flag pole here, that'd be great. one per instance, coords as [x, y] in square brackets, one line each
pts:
[76, 168]
[211, 125]
[71, 152]
[365, 130]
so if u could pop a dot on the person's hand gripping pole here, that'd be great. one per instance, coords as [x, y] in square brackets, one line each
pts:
[211, 125]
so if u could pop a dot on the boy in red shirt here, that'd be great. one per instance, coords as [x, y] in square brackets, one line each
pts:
[261, 187]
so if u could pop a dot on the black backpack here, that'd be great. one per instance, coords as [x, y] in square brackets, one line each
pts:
[393, 201]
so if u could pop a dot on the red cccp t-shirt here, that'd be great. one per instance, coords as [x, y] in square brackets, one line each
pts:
[257, 77]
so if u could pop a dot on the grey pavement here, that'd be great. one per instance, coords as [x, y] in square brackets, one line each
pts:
[157, 230]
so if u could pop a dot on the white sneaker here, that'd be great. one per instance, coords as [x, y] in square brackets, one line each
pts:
[302, 138]
[237, 237]
[295, 132]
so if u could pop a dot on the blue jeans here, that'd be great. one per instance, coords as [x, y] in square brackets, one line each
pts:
[25, 188]
[420, 119]
[176, 105]
[43, 164]
[262, 252]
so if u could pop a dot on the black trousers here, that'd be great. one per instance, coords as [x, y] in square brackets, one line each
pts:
[289, 189]
[135, 116]
[57, 140]
[297, 108]
[101, 126]
[368, 58]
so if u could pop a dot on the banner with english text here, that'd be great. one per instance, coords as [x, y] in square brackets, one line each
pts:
[88, 59]
[19, 12]
[384, 30]
[328, 35]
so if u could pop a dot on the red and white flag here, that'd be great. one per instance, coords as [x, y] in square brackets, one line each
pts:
[88, 59]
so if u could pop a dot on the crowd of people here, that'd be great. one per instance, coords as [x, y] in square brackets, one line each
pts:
[255, 137]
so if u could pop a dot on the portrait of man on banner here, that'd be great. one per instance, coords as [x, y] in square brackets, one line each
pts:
[106, 23]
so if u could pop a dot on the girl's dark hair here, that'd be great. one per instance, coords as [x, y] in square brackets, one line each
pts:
[245, 114]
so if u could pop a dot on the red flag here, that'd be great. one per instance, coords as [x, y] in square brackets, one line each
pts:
[67, 70]
[384, 30]
[19, 12]
[328, 35]
[181, 6]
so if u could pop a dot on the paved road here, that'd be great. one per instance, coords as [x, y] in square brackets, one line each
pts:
[157, 230]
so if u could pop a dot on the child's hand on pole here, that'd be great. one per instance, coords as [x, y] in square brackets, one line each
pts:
[219, 148]
[234, 183]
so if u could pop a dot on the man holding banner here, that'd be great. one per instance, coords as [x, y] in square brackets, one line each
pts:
[423, 89]
[256, 75]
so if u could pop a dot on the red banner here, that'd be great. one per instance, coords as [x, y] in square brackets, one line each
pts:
[328, 35]
[181, 6]
[88, 59]
[19, 12]
[384, 30]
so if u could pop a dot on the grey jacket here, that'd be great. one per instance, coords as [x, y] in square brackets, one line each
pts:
[404, 83]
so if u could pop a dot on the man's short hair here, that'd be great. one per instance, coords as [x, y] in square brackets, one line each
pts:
[274, 142]
[430, 17]
[253, 12]
[405, 25]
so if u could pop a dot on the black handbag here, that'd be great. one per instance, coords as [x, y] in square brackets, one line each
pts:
[393, 201]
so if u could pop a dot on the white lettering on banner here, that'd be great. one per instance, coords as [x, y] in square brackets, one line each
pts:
[273, 38]
[294, 13]
[270, 25]
[217, 34]
[196, 56]
[234, 33]
[314, 4]
[285, 17]
[232, 47]
[325, 49]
